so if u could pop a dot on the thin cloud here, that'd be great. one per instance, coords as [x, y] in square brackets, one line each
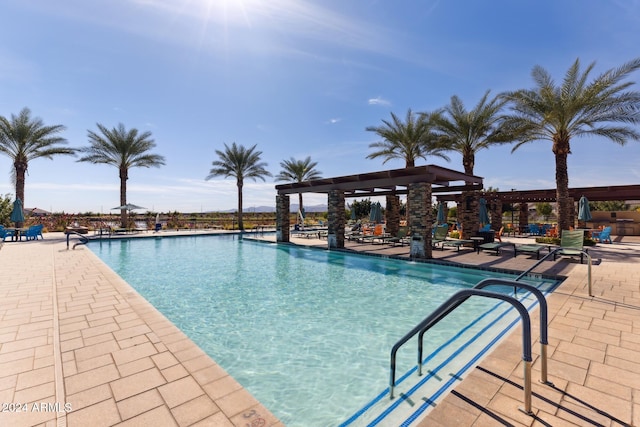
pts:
[335, 120]
[379, 101]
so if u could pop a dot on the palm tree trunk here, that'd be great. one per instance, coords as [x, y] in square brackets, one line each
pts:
[562, 191]
[21, 169]
[240, 223]
[123, 197]
[300, 207]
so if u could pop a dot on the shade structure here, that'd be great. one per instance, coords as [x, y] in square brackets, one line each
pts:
[484, 215]
[440, 217]
[17, 214]
[128, 206]
[584, 213]
[375, 214]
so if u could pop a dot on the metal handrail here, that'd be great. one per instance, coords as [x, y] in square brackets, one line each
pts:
[83, 239]
[447, 307]
[553, 252]
[544, 316]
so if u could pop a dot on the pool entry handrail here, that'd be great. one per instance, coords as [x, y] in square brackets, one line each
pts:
[553, 252]
[544, 316]
[544, 341]
[83, 239]
[451, 304]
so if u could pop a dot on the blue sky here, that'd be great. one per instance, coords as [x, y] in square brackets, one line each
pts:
[296, 77]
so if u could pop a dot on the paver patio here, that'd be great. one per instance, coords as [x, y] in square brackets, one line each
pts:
[74, 333]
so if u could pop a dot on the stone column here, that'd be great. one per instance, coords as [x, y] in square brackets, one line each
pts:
[496, 214]
[392, 214]
[336, 219]
[573, 217]
[282, 218]
[523, 218]
[468, 213]
[420, 219]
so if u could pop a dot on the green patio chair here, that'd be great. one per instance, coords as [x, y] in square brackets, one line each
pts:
[571, 244]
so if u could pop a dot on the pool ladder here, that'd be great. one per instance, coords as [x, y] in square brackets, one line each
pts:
[478, 290]
[83, 239]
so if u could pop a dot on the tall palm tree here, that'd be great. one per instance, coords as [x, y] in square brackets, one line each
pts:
[297, 171]
[123, 149]
[23, 139]
[408, 140]
[239, 162]
[574, 108]
[467, 132]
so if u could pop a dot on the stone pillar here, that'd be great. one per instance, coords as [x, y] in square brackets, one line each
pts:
[282, 218]
[496, 214]
[392, 214]
[573, 217]
[469, 213]
[420, 219]
[336, 219]
[523, 218]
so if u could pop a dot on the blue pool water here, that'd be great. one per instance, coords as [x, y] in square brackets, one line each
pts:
[307, 332]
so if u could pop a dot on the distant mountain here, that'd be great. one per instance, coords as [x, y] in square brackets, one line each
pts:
[293, 209]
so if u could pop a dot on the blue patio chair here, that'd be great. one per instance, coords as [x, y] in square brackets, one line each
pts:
[33, 232]
[603, 236]
[4, 233]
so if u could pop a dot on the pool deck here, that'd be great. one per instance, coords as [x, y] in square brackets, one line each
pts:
[73, 332]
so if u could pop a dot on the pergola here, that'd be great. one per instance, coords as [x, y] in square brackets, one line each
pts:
[418, 183]
[523, 197]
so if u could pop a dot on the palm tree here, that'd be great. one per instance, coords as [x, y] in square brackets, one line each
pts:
[24, 139]
[575, 108]
[408, 141]
[467, 132]
[297, 171]
[123, 149]
[240, 163]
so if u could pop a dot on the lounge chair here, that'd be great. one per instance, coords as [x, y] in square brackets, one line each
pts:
[400, 238]
[603, 236]
[495, 246]
[440, 234]
[531, 249]
[456, 243]
[571, 244]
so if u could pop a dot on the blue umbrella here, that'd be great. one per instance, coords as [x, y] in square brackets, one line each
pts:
[584, 214]
[17, 214]
[484, 215]
[440, 218]
[353, 213]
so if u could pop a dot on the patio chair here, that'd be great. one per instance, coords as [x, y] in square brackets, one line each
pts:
[603, 236]
[495, 246]
[4, 233]
[400, 238]
[440, 234]
[33, 232]
[571, 244]
[531, 249]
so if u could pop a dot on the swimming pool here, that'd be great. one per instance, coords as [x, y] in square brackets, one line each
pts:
[307, 332]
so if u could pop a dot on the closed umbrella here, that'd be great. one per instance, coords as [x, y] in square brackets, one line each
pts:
[440, 218]
[375, 215]
[584, 214]
[17, 214]
[484, 215]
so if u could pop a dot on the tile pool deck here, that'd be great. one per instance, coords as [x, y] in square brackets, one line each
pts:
[73, 332]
